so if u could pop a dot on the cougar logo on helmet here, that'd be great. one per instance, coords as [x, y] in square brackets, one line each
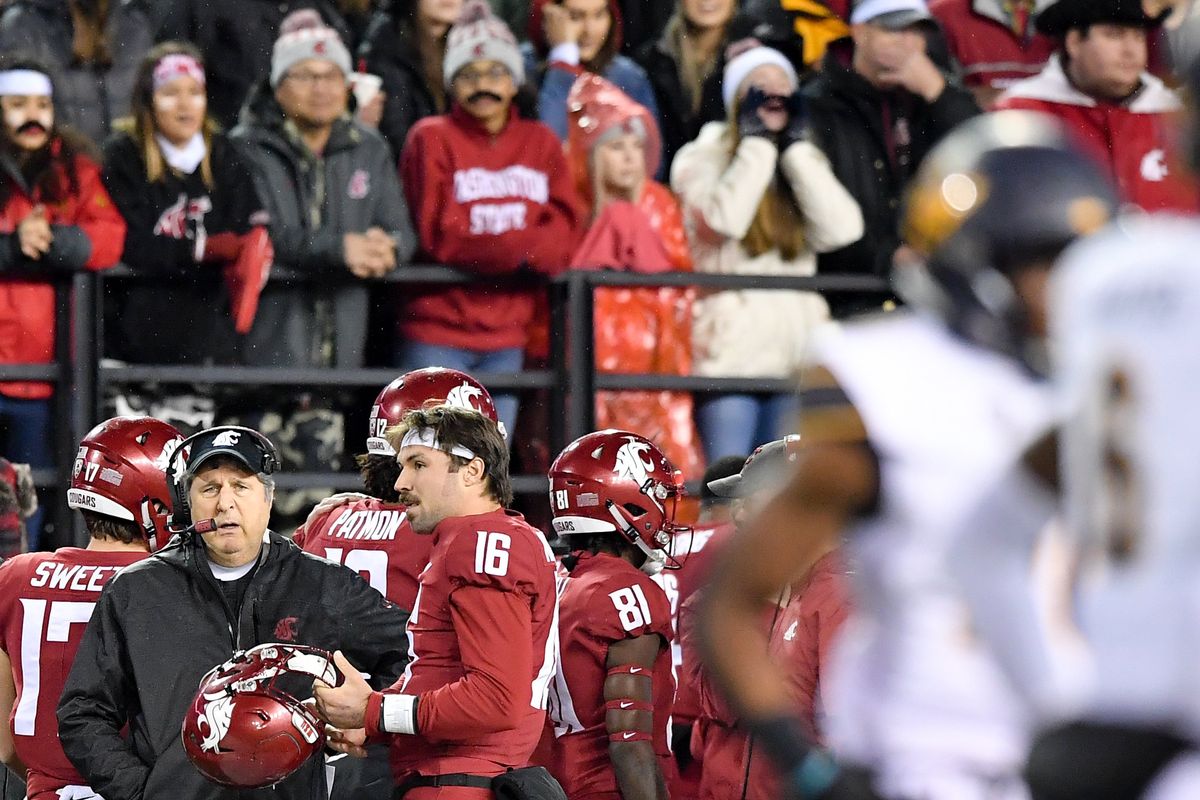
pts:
[634, 461]
[226, 439]
[168, 452]
[214, 720]
[463, 396]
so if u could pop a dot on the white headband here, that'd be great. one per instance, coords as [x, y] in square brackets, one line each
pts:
[427, 438]
[21, 82]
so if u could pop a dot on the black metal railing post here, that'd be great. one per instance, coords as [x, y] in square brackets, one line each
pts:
[581, 358]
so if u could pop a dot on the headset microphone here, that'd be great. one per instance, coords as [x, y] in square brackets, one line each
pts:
[201, 526]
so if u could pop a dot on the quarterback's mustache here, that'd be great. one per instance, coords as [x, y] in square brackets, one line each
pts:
[31, 126]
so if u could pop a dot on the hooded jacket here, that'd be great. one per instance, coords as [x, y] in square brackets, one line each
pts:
[1131, 141]
[313, 202]
[88, 234]
[161, 625]
[86, 98]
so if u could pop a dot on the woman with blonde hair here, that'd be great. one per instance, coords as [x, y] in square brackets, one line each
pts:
[190, 204]
[613, 149]
[759, 198]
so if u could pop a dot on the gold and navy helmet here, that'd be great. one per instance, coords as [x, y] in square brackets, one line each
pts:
[1000, 193]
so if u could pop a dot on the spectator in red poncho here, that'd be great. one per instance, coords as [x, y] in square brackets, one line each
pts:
[491, 193]
[55, 217]
[613, 147]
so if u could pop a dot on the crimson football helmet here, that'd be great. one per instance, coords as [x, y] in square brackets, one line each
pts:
[431, 386]
[615, 481]
[245, 728]
[120, 472]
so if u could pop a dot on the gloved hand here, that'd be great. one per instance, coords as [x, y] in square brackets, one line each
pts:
[797, 127]
[748, 121]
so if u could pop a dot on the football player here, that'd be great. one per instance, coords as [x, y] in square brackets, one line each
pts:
[46, 599]
[613, 495]
[904, 417]
[369, 533]
[1124, 329]
[471, 705]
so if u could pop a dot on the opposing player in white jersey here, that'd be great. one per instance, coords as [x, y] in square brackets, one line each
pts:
[1126, 339]
[901, 418]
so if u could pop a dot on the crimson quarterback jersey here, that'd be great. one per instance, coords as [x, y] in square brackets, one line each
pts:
[374, 539]
[46, 600]
[605, 600]
[482, 641]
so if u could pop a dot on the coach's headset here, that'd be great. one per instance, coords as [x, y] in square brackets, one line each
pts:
[180, 520]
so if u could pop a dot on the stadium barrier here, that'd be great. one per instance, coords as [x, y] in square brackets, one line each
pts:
[571, 378]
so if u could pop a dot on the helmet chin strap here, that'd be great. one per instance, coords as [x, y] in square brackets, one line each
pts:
[655, 559]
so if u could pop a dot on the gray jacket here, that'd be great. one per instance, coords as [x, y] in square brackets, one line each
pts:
[87, 99]
[313, 202]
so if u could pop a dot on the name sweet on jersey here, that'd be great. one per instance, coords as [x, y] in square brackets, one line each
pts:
[73, 577]
[367, 524]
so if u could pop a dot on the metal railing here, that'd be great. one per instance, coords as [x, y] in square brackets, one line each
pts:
[571, 378]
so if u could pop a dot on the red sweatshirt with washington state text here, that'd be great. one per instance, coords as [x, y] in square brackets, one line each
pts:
[491, 205]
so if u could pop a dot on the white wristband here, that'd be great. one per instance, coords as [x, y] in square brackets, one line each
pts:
[399, 713]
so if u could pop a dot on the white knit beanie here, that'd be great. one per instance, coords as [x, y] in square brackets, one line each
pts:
[739, 68]
[312, 41]
[480, 36]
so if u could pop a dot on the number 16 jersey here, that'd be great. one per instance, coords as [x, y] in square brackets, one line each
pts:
[46, 600]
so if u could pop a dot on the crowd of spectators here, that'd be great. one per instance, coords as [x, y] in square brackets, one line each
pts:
[201, 141]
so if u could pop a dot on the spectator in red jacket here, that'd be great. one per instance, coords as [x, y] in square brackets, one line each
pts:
[1097, 84]
[55, 217]
[491, 193]
[994, 41]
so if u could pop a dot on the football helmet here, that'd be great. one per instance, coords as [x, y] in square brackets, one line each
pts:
[1001, 191]
[246, 728]
[614, 481]
[431, 386]
[120, 471]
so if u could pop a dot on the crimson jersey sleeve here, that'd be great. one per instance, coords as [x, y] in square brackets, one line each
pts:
[46, 601]
[374, 539]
